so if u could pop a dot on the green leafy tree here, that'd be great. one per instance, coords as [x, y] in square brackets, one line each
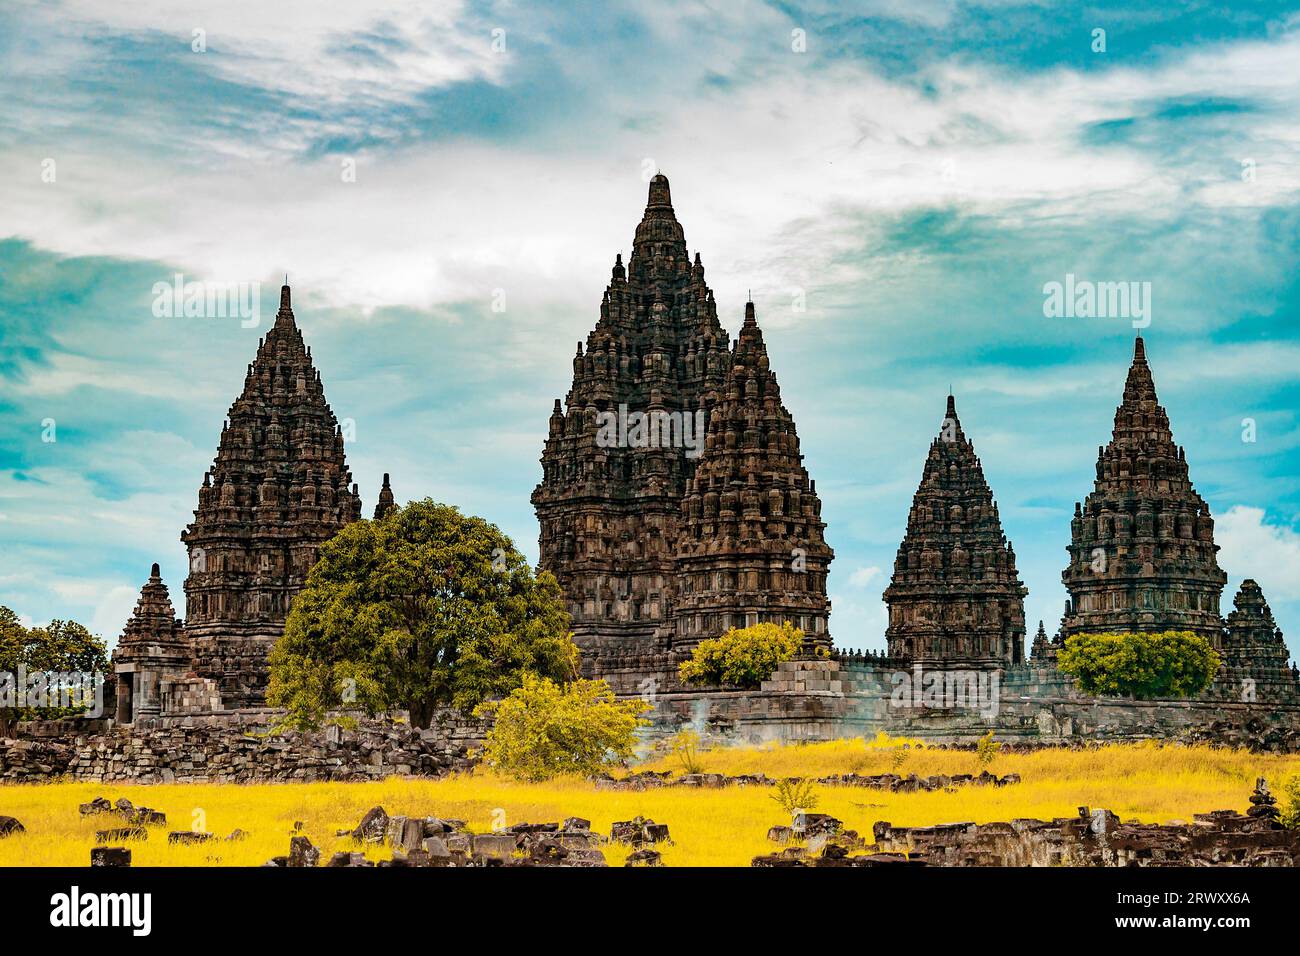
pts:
[59, 647]
[544, 729]
[67, 646]
[743, 657]
[424, 608]
[13, 650]
[1145, 666]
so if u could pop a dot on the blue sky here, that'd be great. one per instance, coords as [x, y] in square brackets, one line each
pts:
[916, 174]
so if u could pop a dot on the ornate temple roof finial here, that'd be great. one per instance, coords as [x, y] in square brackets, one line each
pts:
[155, 571]
[660, 195]
[284, 317]
[386, 500]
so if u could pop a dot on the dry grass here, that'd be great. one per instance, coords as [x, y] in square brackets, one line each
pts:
[709, 827]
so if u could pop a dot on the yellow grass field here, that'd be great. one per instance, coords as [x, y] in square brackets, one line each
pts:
[726, 827]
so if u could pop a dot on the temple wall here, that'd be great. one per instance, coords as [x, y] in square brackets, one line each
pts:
[824, 700]
[242, 749]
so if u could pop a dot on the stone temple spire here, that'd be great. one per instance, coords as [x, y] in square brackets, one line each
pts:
[1253, 647]
[386, 501]
[153, 619]
[278, 488]
[955, 596]
[752, 547]
[1142, 551]
[1041, 648]
[609, 511]
[152, 646]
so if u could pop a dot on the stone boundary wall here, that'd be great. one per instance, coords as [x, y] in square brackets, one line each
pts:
[811, 700]
[242, 749]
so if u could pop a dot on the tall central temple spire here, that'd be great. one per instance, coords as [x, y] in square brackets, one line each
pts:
[1142, 551]
[625, 444]
[609, 511]
[955, 596]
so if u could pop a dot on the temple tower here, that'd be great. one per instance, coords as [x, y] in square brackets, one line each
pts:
[752, 547]
[386, 501]
[609, 503]
[1253, 647]
[1142, 551]
[955, 596]
[278, 488]
[152, 647]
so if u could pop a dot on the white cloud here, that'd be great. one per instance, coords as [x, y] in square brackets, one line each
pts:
[1253, 548]
[336, 52]
[861, 577]
[841, 145]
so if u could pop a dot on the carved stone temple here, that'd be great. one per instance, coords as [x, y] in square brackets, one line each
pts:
[279, 487]
[1142, 551]
[658, 544]
[151, 646]
[752, 546]
[955, 597]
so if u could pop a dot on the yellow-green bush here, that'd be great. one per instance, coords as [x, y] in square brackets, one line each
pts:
[544, 729]
[743, 657]
[1145, 666]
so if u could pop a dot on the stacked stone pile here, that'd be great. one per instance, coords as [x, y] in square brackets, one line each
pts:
[216, 753]
[29, 761]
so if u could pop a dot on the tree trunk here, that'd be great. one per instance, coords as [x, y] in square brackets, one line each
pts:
[421, 713]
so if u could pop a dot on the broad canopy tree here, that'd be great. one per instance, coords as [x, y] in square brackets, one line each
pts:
[59, 647]
[423, 608]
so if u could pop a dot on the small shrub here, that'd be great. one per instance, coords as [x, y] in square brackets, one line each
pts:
[987, 750]
[898, 758]
[743, 657]
[544, 729]
[795, 795]
[685, 746]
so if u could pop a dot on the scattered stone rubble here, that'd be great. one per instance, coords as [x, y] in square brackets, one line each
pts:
[136, 816]
[1092, 838]
[31, 761]
[110, 856]
[639, 831]
[432, 841]
[121, 834]
[652, 779]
